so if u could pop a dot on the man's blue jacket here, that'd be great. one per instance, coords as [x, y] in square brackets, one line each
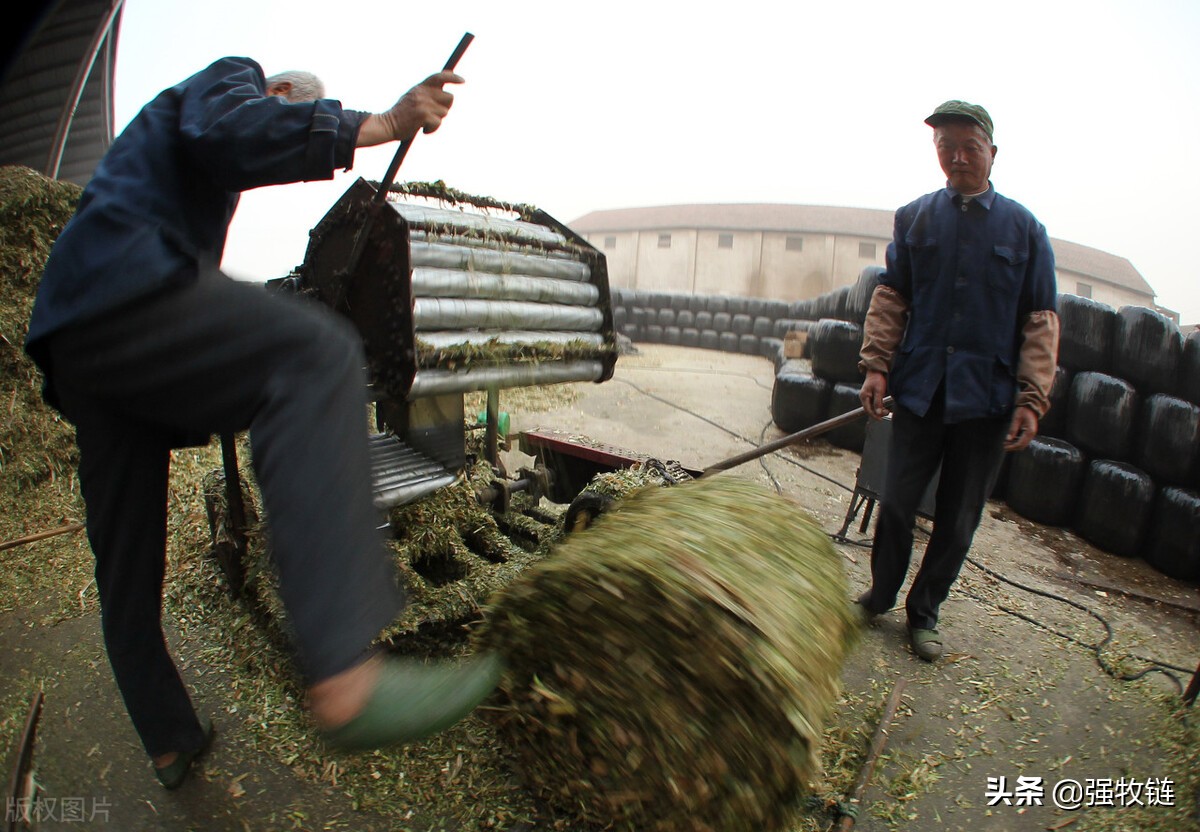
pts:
[972, 275]
[159, 205]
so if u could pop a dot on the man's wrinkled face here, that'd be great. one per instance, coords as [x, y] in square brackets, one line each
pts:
[965, 154]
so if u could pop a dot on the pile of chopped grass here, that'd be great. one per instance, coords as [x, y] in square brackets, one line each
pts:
[38, 456]
[672, 667]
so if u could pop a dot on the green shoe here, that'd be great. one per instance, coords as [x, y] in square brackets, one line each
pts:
[172, 776]
[412, 700]
[926, 643]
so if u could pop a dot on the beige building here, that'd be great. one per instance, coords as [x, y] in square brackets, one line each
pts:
[793, 252]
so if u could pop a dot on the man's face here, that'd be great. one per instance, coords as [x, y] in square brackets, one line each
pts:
[965, 154]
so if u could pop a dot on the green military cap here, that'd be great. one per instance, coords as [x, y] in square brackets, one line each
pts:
[961, 111]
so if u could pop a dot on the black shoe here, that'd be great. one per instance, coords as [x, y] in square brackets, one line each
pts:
[172, 776]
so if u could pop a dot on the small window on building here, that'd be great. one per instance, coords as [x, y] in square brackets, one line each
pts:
[866, 250]
[1084, 290]
[664, 240]
[794, 244]
[724, 241]
[610, 242]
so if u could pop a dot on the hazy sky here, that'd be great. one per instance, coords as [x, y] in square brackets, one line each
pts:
[579, 106]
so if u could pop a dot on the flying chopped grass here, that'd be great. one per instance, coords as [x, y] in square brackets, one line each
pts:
[672, 667]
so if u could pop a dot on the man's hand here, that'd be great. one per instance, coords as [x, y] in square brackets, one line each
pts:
[1021, 431]
[421, 108]
[873, 392]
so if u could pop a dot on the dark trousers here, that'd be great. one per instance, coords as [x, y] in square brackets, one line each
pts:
[218, 356]
[970, 453]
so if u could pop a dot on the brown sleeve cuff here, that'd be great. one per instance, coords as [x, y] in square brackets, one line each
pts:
[882, 330]
[1038, 361]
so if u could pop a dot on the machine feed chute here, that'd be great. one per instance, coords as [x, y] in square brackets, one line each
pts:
[451, 294]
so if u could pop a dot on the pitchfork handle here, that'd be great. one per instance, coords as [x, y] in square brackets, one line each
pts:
[402, 151]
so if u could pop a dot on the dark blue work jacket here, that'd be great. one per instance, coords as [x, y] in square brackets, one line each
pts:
[972, 274]
[163, 195]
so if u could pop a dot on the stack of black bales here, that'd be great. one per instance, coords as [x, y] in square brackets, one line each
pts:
[1118, 457]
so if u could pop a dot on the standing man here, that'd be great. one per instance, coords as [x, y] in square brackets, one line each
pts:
[962, 333]
[146, 347]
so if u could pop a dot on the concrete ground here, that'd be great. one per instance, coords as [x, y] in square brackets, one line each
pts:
[1011, 700]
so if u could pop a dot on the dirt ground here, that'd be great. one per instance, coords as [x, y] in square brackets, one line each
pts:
[1011, 700]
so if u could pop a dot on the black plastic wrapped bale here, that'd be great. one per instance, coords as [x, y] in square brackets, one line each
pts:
[771, 349]
[718, 304]
[738, 305]
[763, 326]
[1189, 369]
[652, 334]
[843, 398]
[1101, 415]
[859, 299]
[834, 347]
[685, 318]
[1044, 480]
[721, 321]
[801, 310]
[1173, 543]
[1054, 423]
[665, 318]
[704, 320]
[689, 337]
[799, 400]
[1167, 442]
[710, 339]
[748, 344]
[1114, 506]
[729, 342]
[671, 335]
[697, 303]
[741, 324]
[681, 301]
[775, 309]
[1147, 348]
[1086, 338]
[672, 667]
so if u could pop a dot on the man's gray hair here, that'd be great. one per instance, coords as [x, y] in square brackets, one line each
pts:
[305, 85]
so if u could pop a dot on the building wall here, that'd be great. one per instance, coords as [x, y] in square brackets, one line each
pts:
[769, 264]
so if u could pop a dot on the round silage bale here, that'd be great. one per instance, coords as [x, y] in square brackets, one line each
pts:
[859, 299]
[1054, 423]
[1167, 441]
[671, 335]
[1101, 415]
[689, 337]
[704, 320]
[772, 350]
[1173, 545]
[681, 301]
[1147, 347]
[652, 333]
[1043, 481]
[671, 667]
[834, 346]
[762, 326]
[1086, 334]
[748, 344]
[720, 321]
[685, 318]
[798, 400]
[718, 303]
[710, 339]
[1114, 506]
[1189, 369]
[741, 324]
[729, 342]
[738, 305]
[665, 317]
[843, 398]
